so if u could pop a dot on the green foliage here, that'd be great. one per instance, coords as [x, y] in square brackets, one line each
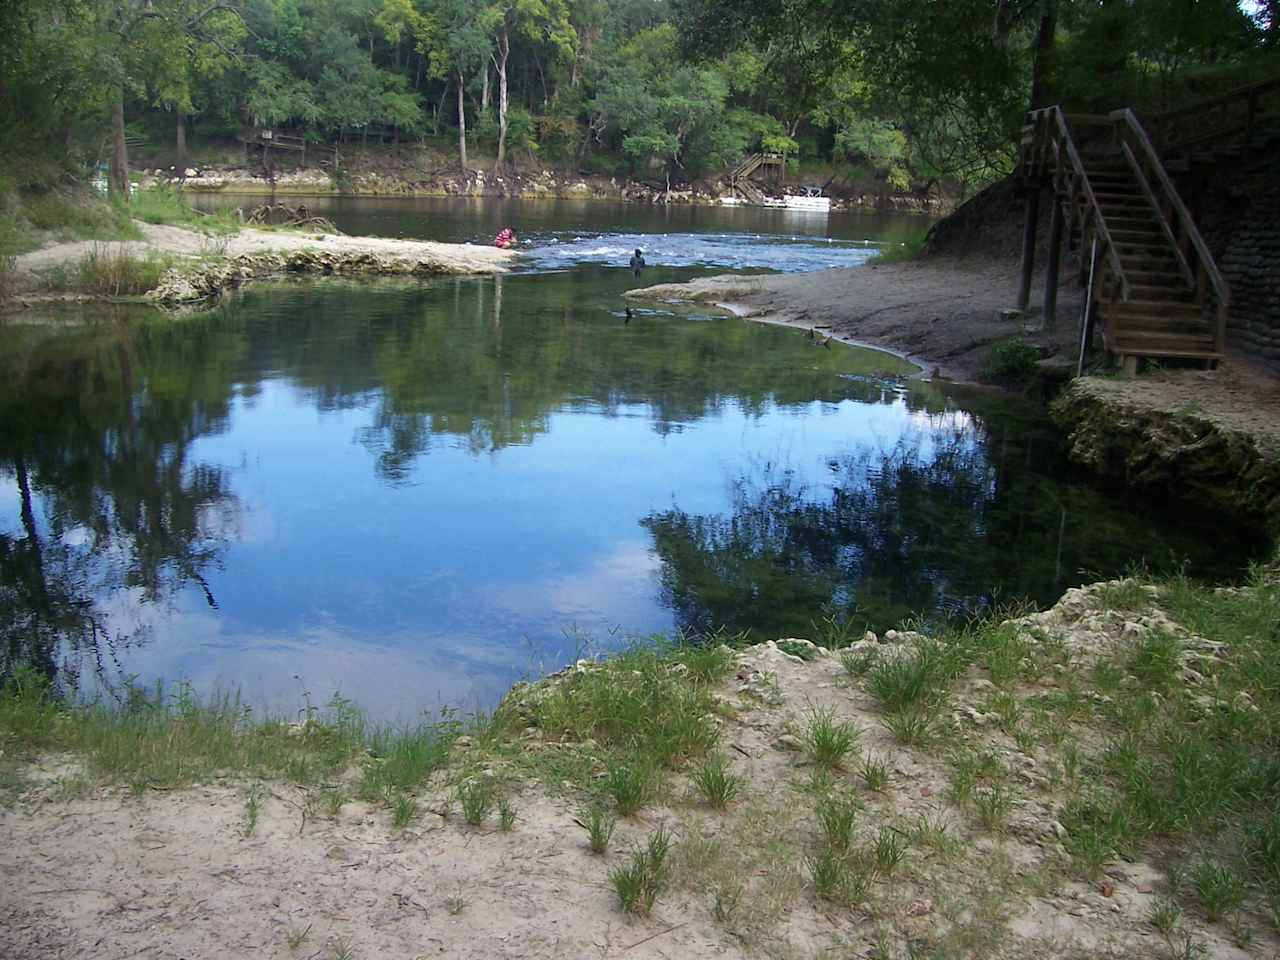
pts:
[475, 797]
[600, 825]
[828, 740]
[838, 816]
[639, 882]
[716, 783]
[1009, 362]
[629, 784]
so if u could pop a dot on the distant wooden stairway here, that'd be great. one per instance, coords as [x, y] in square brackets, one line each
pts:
[1152, 281]
[740, 176]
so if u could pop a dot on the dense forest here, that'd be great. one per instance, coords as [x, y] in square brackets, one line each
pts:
[908, 91]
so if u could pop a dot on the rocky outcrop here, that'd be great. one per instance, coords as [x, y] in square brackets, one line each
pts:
[1179, 454]
[205, 279]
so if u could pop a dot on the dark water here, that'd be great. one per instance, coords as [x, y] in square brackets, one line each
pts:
[418, 492]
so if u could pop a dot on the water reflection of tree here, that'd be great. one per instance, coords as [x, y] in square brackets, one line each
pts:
[95, 433]
[948, 521]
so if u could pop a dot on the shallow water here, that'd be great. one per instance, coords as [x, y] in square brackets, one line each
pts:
[419, 492]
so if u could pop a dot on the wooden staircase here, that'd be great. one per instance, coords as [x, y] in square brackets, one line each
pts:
[740, 176]
[1152, 281]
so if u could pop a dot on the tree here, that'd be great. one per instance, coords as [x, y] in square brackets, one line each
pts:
[536, 21]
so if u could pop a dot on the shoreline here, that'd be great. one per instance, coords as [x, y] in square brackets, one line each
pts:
[968, 835]
[197, 267]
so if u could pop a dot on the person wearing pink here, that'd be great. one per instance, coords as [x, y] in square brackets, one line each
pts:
[505, 238]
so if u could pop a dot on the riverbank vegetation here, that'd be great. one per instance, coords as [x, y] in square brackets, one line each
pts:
[1109, 763]
[899, 94]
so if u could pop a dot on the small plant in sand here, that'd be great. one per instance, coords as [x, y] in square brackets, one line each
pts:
[342, 949]
[506, 815]
[909, 725]
[836, 632]
[455, 904]
[295, 938]
[856, 663]
[874, 772]
[837, 877]
[993, 804]
[837, 816]
[717, 784]
[1219, 888]
[600, 825]
[827, 739]
[888, 851]
[639, 882]
[628, 782]
[475, 797]
[404, 809]
[252, 808]
[333, 801]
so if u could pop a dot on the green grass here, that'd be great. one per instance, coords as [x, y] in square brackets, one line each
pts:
[639, 882]
[888, 850]
[506, 815]
[109, 271]
[168, 737]
[916, 676]
[1010, 362]
[718, 786]
[630, 784]
[600, 825]
[837, 816]
[1220, 889]
[874, 772]
[404, 810]
[164, 205]
[475, 797]
[908, 249]
[651, 701]
[828, 740]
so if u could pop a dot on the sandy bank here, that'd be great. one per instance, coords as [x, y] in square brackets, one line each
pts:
[207, 264]
[942, 312]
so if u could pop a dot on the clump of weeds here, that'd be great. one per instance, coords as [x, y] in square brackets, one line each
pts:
[506, 815]
[252, 808]
[475, 797]
[716, 783]
[837, 816]
[874, 772]
[629, 783]
[639, 882]
[828, 740]
[600, 825]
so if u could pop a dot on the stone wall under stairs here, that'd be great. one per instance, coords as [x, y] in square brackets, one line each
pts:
[1250, 261]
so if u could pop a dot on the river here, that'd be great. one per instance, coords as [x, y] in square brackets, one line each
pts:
[415, 493]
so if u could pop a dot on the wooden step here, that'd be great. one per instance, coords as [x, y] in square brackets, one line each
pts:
[1176, 290]
[1162, 308]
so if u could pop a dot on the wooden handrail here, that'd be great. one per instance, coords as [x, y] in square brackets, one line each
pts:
[1127, 124]
[1227, 99]
[1040, 142]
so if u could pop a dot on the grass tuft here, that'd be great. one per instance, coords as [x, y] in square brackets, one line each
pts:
[1219, 889]
[874, 772]
[837, 816]
[717, 784]
[629, 783]
[600, 825]
[639, 882]
[404, 810]
[828, 740]
[475, 797]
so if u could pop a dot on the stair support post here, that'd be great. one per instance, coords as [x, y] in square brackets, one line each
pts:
[1029, 244]
[1051, 273]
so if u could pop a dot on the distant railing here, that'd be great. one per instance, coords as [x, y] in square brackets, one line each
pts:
[1222, 121]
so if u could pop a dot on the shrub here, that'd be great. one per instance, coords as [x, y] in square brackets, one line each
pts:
[1010, 362]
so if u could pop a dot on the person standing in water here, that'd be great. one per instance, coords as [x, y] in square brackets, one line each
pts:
[637, 262]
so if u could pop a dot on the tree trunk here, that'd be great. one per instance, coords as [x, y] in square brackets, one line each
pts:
[486, 94]
[1042, 69]
[1272, 37]
[119, 183]
[504, 50]
[462, 124]
[542, 75]
[435, 120]
[181, 139]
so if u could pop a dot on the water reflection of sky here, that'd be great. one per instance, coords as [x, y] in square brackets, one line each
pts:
[340, 578]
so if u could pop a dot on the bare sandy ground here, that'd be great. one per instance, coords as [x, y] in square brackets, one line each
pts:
[943, 312]
[455, 257]
[99, 874]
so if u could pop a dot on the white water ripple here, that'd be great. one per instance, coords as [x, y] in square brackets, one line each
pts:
[734, 251]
